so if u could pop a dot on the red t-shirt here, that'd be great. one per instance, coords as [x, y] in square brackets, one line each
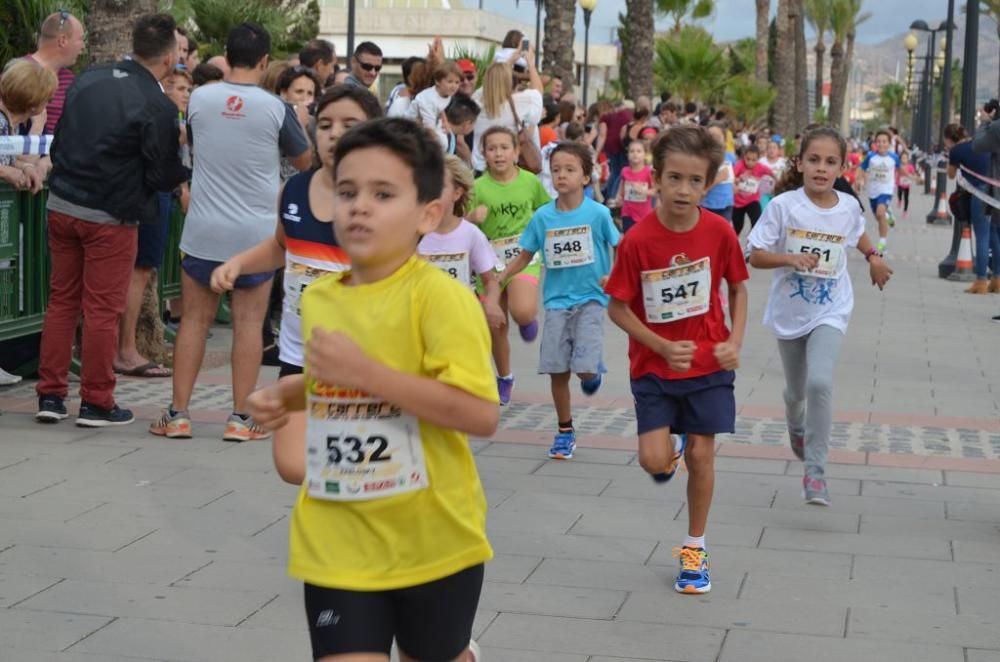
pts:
[635, 205]
[54, 108]
[546, 135]
[649, 246]
[747, 188]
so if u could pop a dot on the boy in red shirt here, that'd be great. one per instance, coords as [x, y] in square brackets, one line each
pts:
[665, 296]
[748, 171]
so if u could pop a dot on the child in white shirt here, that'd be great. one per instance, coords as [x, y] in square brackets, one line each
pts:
[428, 106]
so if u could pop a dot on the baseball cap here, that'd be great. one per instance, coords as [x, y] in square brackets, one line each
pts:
[467, 66]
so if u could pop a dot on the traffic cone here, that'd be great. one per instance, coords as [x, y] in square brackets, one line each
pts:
[941, 215]
[963, 263]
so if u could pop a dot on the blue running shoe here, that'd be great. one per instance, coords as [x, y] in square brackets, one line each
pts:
[529, 331]
[505, 386]
[591, 386]
[563, 446]
[680, 443]
[693, 576]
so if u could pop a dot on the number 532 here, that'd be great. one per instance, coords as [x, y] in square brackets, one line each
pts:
[353, 449]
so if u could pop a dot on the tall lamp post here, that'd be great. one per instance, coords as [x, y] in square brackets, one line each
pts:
[350, 31]
[969, 62]
[910, 43]
[588, 7]
[539, 4]
[944, 59]
[923, 134]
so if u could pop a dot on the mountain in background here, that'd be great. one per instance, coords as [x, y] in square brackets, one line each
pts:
[879, 61]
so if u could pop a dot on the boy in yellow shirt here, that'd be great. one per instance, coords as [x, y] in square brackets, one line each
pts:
[389, 530]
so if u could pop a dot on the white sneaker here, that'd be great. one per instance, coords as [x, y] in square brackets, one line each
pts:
[7, 379]
[474, 649]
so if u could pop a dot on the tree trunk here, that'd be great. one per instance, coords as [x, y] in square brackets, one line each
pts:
[784, 70]
[109, 27]
[639, 57]
[557, 54]
[798, 19]
[109, 38]
[838, 84]
[820, 49]
[842, 125]
[763, 9]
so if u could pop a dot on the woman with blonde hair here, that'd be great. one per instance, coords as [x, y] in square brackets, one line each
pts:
[500, 103]
[25, 88]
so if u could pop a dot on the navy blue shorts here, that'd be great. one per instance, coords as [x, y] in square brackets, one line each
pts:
[201, 270]
[700, 405]
[153, 236]
[885, 199]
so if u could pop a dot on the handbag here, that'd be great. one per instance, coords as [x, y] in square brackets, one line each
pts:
[531, 156]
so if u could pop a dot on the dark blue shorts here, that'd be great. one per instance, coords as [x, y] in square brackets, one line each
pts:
[201, 270]
[884, 199]
[700, 405]
[153, 236]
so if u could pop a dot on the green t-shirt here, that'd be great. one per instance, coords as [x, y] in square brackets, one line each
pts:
[511, 205]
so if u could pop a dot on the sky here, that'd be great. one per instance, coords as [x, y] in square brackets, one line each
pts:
[735, 19]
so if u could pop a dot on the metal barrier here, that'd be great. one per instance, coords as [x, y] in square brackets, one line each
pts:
[24, 263]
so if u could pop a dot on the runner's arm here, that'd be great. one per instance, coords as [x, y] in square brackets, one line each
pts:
[737, 312]
[516, 266]
[288, 449]
[621, 314]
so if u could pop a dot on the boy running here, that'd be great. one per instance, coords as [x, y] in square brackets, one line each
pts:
[665, 296]
[389, 529]
[576, 236]
[878, 170]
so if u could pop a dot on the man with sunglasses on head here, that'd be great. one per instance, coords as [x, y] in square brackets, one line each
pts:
[365, 65]
[60, 42]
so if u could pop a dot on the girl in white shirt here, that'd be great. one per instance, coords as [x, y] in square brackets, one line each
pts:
[428, 106]
[803, 235]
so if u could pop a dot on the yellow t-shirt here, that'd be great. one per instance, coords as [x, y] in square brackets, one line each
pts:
[418, 321]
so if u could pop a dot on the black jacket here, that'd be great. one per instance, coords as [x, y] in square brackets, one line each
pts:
[116, 143]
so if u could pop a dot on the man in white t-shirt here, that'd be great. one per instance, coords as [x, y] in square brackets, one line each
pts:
[237, 131]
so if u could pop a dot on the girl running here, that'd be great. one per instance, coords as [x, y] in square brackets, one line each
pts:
[636, 193]
[458, 247]
[803, 235]
[749, 171]
[906, 178]
[504, 199]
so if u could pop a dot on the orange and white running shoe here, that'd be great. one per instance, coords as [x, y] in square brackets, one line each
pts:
[172, 425]
[243, 429]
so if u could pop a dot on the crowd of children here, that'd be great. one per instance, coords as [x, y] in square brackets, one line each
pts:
[403, 271]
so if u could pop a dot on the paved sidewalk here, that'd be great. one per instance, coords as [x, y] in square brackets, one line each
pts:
[115, 545]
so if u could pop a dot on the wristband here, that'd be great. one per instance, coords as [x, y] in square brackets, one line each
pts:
[874, 251]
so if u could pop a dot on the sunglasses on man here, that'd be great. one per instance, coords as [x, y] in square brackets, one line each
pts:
[370, 67]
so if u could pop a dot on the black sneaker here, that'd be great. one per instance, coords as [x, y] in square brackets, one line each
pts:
[995, 318]
[51, 409]
[92, 416]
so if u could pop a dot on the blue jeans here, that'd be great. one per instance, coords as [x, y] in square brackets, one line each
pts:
[616, 163]
[987, 240]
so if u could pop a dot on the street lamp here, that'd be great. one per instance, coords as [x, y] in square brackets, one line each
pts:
[539, 4]
[910, 44]
[588, 7]
[350, 31]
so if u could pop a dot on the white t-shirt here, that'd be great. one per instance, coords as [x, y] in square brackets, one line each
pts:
[529, 109]
[799, 302]
[427, 108]
[462, 253]
[881, 173]
[400, 106]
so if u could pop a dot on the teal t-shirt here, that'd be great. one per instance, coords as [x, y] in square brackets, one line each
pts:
[575, 247]
[510, 204]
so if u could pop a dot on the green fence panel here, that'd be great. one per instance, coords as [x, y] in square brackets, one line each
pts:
[24, 263]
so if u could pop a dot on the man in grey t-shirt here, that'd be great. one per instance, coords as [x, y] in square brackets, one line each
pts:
[238, 133]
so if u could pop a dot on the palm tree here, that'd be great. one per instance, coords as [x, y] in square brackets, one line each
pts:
[639, 53]
[763, 27]
[557, 50]
[845, 17]
[748, 100]
[784, 69]
[890, 100]
[691, 65]
[109, 27]
[801, 70]
[678, 10]
[818, 15]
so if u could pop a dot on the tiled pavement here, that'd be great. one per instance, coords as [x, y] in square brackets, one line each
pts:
[115, 545]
